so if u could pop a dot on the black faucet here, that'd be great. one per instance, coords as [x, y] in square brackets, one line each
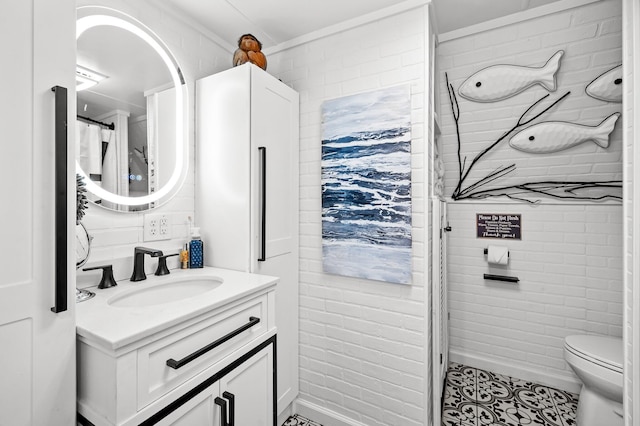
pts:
[162, 264]
[138, 262]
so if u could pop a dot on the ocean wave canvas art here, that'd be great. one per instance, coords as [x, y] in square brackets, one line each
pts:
[366, 185]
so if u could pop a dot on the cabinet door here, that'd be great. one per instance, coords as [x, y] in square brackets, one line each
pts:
[251, 384]
[201, 410]
[274, 143]
[274, 126]
[37, 383]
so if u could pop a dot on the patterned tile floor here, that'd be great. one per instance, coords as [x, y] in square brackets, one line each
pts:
[298, 420]
[475, 397]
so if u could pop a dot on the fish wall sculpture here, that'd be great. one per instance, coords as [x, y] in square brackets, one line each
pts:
[607, 86]
[553, 136]
[499, 82]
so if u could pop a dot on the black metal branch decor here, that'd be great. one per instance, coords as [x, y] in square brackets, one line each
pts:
[573, 190]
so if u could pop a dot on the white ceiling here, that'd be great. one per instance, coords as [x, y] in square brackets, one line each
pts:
[273, 22]
[277, 21]
[450, 15]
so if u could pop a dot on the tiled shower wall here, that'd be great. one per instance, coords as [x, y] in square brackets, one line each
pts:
[362, 343]
[116, 234]
[569, 260]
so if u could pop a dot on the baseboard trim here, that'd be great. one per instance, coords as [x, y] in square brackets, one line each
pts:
[322, 415]
[566, 382]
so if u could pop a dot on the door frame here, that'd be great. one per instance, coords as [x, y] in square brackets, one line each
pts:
[439, 347]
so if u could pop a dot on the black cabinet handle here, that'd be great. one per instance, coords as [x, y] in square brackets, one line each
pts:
[60, 198]
[232, 407]
[177, 364]
[227, 418]
[223, 410]
[263, 204]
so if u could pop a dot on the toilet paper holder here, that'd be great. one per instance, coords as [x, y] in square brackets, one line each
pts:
[500, 277]
[486, 251]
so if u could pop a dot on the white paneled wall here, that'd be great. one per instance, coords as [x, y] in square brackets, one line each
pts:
[362, 352]
[569, 260]
[116, 234]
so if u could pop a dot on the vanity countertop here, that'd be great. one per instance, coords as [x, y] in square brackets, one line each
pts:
[113, 327]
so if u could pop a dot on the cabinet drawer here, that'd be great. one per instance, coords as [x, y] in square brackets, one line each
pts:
[227, 331]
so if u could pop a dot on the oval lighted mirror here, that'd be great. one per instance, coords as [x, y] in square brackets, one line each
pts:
[130, 133]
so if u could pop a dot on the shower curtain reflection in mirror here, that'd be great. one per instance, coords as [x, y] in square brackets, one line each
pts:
[125, 161]
[138, 157]
[97, 154]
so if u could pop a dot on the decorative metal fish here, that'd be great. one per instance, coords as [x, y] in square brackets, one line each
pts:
[607, 86]
[553, 136]
[499, 82]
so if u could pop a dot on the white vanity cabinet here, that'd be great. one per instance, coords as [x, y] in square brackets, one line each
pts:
[183, 362]
[247, 191]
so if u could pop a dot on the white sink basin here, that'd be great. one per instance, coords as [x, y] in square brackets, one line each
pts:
[166, 292]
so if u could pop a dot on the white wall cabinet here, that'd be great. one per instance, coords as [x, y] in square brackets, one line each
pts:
[247, 191]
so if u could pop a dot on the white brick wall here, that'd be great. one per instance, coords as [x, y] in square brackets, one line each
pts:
[570, 258]
[570, 271]
[591, 39]
[362, 343]
[116, 234]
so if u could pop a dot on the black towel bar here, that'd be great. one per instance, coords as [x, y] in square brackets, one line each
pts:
[501, 278]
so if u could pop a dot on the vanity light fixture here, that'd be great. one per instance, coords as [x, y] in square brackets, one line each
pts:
[86, 78]
[139, 29]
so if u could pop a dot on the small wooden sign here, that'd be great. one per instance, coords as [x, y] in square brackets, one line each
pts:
[501, 226]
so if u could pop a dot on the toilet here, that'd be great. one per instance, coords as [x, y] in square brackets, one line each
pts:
[597, 361]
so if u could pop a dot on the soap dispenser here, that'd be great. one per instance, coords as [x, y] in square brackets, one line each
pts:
[196, 251]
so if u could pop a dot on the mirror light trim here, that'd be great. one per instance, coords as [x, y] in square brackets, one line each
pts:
[140, 30]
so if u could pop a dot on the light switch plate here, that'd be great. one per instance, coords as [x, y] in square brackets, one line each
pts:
[157, 227]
